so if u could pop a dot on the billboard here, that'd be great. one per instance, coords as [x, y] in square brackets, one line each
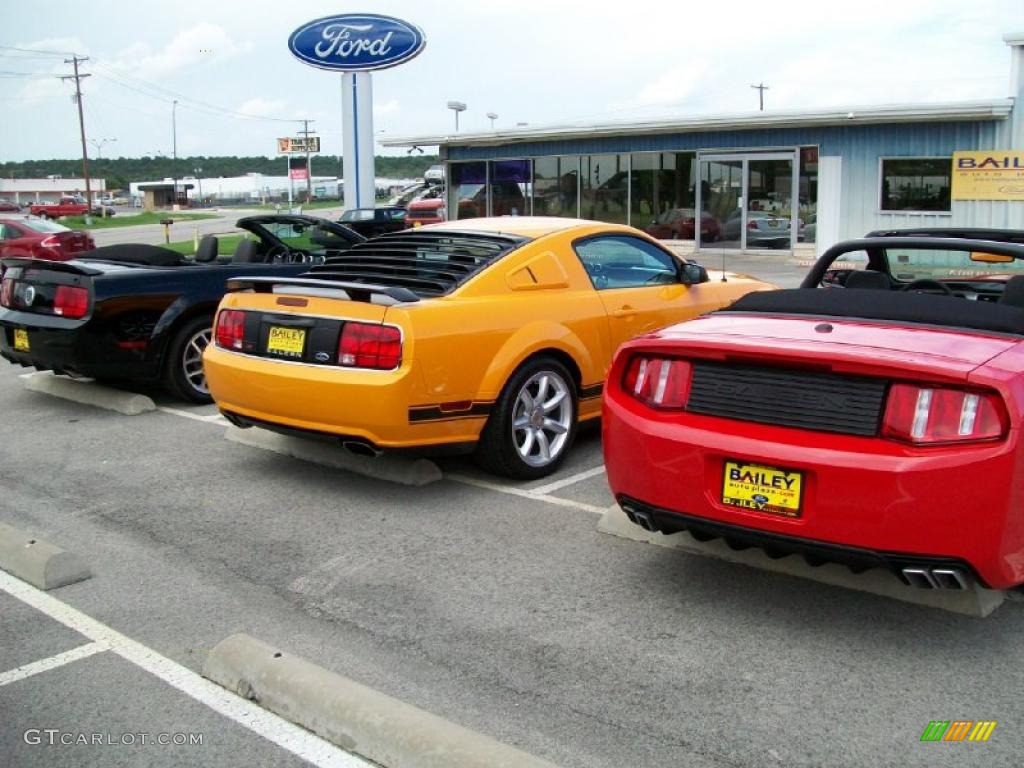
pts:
[990, 175]
[298, 145]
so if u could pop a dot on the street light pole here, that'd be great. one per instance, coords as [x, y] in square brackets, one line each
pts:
[456, 107]
[98, 143]
[174, 148]
[492, 116]
[199, 181]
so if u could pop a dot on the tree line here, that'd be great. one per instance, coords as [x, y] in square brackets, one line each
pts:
[119, 172]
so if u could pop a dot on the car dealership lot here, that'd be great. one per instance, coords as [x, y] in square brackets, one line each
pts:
[490, 603]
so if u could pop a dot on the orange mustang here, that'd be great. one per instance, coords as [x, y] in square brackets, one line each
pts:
[491, 335]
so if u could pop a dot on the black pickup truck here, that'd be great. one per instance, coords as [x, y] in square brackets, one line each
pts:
[142, 312]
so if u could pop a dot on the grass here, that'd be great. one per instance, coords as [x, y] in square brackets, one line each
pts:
[148, 217]
[226, 245]
[315, 205]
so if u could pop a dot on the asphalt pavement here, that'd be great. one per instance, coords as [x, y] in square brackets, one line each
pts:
[497, 605]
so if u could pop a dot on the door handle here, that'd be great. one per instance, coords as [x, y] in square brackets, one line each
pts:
[624, 312]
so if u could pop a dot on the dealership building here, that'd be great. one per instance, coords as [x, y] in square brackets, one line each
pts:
[762, 180]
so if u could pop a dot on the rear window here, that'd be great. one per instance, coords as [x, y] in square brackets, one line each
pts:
[360, 214]
[427, 263]
[43, 226]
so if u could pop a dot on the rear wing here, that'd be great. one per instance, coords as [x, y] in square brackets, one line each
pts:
[355, 291]
[70, 267]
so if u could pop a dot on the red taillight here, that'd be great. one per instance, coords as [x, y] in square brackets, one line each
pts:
[71, 301]
[928, 415]
[370, 346]
[230, 331]
[7, 292]
[50, 242]
[752, 224]
[660, 382]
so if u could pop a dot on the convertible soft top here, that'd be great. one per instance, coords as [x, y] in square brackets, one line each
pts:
[137, 253]
[894, 306]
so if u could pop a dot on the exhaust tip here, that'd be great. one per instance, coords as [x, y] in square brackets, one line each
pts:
[920, 577]
[950, 578]
[644, 520]
[360, 448]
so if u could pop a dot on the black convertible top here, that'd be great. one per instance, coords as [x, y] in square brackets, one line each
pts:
[137, 253]
[895, 306]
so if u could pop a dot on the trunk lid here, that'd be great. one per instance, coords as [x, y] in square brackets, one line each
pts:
[838, 345]
[34, 283]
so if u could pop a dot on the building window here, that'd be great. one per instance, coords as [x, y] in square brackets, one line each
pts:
[916, 184]
[467, 190]
[556, 186]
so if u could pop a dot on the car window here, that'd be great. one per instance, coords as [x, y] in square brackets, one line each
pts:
[44, 226]
[918, 264]
[294, 236]
[621, 261]
[359, 214]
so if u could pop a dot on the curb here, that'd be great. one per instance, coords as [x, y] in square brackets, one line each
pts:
[356, 718]
[976, 601]
[394, 469]
[40, 563]
[88, 392]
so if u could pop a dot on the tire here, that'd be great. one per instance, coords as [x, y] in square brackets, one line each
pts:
[43, 215]
[183, 365]
[529, 451]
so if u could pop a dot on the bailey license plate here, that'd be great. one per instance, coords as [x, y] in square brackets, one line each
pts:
[762, 488]
[288, 342]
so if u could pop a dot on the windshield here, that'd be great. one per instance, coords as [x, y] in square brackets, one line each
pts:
[918, 264]
[44, 226]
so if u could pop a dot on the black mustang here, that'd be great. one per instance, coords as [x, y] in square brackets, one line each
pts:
[142, 312]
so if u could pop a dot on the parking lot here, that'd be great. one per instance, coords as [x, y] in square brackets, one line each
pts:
[495, 604]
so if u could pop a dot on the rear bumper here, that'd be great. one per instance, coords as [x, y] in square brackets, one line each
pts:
[879, 502]
[71, 347]
[328, 402]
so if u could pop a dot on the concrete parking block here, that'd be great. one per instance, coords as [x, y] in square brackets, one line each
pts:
[975, 601]
[40, 563]
[356, 718]
[88, 392]
[391, 468]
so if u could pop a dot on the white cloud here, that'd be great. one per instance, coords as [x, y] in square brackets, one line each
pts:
[387, 109]
[40, 89]
[203, 43]
[258, 107]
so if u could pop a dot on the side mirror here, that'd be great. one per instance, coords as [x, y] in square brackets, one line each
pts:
[692, 274]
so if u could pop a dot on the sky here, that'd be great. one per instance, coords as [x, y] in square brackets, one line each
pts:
[539, 62]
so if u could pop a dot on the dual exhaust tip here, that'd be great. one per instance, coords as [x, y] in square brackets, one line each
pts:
[917, 576]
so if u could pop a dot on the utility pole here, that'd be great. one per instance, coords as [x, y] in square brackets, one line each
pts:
[81, 123]
[174, 150]
[309, 170]
[761, 88]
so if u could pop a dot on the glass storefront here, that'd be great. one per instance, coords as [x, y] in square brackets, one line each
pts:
[749, 200]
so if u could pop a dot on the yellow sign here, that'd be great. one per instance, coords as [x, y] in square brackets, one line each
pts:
[992, 175]
[21, 340]
[298, 145]
[762, 488]
[286, 341]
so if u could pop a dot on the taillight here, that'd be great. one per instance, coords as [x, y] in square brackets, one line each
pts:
[7, 292]
[752, 224]
[660, 382]
[230, 331]
[929, 415]
[370, 346]
[50, 242]
[71, 301]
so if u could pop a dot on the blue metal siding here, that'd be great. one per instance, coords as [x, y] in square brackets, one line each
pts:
[859, 146]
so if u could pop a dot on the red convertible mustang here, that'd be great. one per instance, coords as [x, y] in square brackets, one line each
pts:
[871, 417]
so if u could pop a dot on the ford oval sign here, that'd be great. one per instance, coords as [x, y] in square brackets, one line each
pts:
[356, 42]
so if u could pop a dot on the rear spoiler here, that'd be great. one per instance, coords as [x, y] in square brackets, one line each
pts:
[358, 291]
[71, 267]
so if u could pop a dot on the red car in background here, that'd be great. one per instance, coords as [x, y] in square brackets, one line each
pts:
[871, 417]
[422, 212]
[680, 224]
[38, 238]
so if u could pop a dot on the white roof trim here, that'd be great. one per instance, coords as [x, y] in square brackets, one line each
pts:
[901, 113]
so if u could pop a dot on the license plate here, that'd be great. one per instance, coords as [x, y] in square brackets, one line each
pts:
[762, 488]
[21, 340]
[286, 341]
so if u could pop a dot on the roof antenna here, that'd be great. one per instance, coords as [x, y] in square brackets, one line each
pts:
[724, 279]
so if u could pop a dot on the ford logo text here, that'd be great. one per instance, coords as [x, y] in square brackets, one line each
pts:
[356, 42]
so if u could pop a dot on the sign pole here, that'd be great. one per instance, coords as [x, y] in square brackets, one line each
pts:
[291, 183]
[357, 127]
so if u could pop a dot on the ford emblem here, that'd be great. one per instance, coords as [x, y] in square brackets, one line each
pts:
[28, 295]
[322, 357]
[356, 42]
[760, 498]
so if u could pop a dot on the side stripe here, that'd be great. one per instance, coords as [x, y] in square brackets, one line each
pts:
[935, 730]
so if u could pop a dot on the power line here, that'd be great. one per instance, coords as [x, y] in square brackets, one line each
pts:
[57, 54]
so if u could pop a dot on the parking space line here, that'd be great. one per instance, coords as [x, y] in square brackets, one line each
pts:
[186, 414]
[570, 480]
[27, 670]
[250, 716]
[557, 501]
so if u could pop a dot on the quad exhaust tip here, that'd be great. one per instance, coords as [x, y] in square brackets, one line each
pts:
[935, 578]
